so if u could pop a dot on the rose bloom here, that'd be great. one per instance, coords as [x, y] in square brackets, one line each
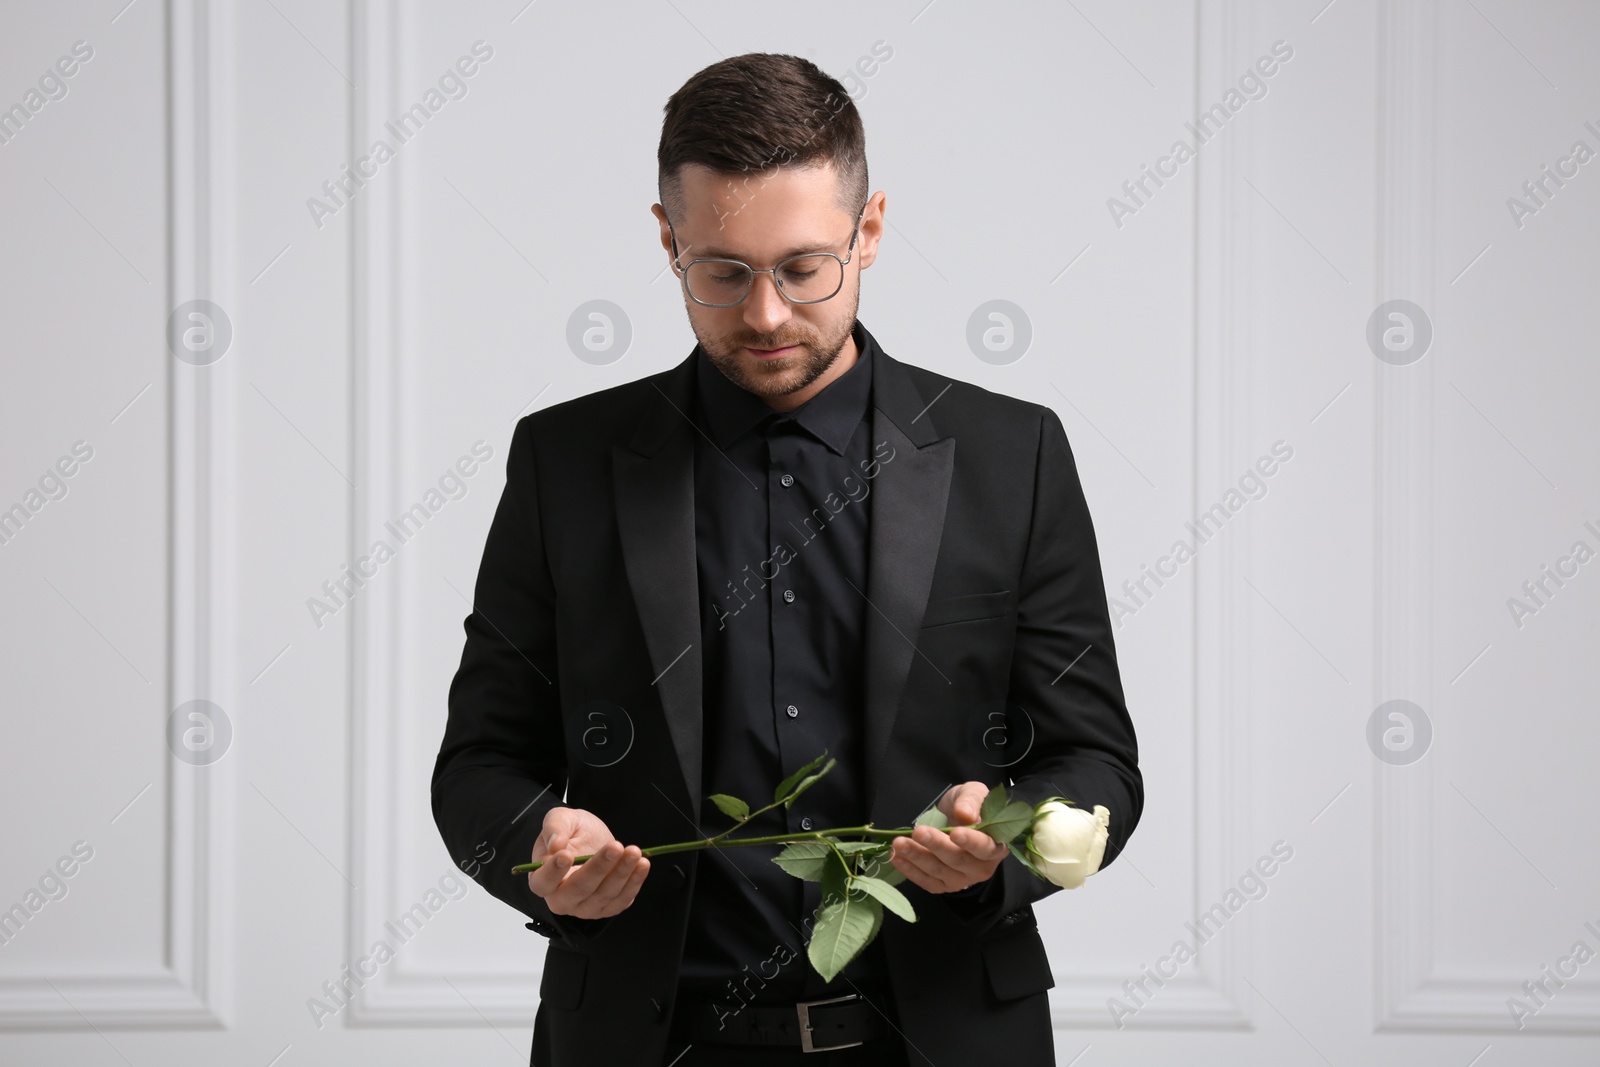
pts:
[1067, 843]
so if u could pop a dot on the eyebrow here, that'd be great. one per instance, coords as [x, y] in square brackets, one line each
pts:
[718, 253]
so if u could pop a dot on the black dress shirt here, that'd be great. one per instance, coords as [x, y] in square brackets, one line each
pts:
[781, 520]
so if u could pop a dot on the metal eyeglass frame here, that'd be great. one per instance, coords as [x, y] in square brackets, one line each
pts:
[683, 271]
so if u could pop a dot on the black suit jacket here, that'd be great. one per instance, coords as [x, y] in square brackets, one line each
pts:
[580, 679]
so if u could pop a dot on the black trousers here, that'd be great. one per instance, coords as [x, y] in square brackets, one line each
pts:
[889, 1052]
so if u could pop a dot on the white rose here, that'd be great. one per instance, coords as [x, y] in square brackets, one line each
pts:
[1069, 842]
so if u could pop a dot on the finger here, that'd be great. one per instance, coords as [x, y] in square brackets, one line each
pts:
[571, 895]
[563, 867]
[615, 883]
[622, 887]
[553, 867]
[946, 847]
[554, 873]
[551, 841]
[956, 864]
[930, 874]
[556, 833]
[969, 803]
[936, 875]
[977, 844]
[915, 874]
[591, 873]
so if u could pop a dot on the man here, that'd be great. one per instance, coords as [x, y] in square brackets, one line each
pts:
[697, 581]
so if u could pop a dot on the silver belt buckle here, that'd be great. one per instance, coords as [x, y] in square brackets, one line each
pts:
[803, 1010]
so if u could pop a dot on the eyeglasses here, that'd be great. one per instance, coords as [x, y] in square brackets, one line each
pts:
[809, 278]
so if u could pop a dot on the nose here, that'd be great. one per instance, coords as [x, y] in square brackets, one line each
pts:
[764, 308]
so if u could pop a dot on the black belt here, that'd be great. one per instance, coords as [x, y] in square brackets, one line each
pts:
[809, 1025]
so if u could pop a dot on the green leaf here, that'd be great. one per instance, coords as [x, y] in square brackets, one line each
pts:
[888, 896]
[993, 804]
[806, 783]
[835, 877]
[804, 859]
[849, 847]
[877, 918]
[846, 925]
[1022, 857]
[788, 783]
[732, 807]
[1011, 822]
[932, 817]
[878, 865]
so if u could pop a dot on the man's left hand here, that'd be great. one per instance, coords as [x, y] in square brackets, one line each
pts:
[943, 862]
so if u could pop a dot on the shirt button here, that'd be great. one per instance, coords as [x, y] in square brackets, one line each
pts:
[805, 824]
[793, 711]
[788, 596]
[787, 480]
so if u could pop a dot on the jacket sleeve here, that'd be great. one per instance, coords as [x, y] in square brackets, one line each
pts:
[1064, 674]
[502, 763]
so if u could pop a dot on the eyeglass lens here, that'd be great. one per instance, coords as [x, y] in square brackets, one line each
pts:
[802, 279]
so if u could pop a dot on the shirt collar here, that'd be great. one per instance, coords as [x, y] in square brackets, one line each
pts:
[831, 416]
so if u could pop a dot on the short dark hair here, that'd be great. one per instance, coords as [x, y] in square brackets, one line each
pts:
[749, 113]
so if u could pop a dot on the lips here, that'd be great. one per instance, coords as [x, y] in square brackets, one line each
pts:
[769, 353]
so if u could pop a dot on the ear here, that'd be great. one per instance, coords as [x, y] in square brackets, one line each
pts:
[871, 230]
[666, 233]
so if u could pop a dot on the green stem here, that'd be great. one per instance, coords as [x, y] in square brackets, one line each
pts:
[867, 831]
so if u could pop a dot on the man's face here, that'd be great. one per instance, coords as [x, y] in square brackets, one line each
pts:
[779, 351]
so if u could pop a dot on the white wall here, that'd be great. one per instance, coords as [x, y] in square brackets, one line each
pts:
[373, 346]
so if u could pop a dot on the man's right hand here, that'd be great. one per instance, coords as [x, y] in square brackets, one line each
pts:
[595, 888]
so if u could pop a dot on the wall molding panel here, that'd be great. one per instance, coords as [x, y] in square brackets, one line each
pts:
[190, 987]
[1412, 995]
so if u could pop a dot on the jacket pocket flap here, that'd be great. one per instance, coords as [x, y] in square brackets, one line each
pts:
[967, 608]
[1015, 959]
[562, 983]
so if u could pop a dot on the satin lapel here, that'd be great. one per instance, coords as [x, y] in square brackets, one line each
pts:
[653, 477]
[907, 523]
